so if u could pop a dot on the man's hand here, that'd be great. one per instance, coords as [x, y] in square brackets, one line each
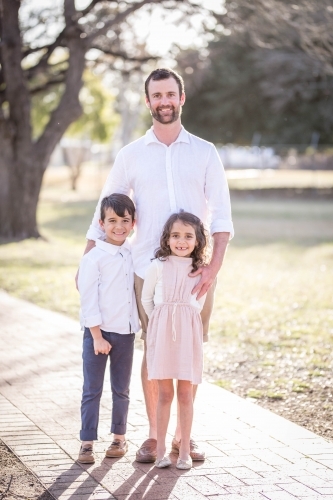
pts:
[208, 275]
[102, 346]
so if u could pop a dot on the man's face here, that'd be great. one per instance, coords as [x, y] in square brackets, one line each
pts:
[164, 101]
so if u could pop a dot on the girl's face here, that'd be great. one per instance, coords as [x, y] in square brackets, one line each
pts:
[182, 239]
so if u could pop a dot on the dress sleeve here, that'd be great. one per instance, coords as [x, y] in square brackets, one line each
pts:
[148, 290]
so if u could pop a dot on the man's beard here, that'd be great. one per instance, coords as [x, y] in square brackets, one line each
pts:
[166, 119]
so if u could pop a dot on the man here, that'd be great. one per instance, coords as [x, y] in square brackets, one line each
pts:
[166, 170]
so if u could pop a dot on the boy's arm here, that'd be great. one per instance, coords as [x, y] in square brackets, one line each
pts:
[148, 290]
[88, 288]
[101, 346]
[90, 244]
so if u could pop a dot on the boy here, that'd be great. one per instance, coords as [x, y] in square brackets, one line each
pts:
[110, 319]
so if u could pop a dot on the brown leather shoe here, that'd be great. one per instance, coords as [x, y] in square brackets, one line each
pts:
[195, 453]
[147, 452]
[86, 455]
[116, 449]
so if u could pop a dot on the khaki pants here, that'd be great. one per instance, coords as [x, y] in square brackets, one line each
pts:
[206, 311]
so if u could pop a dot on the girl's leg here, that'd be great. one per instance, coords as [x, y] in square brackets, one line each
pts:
[165, 397]
[178, 434]
[185, 400]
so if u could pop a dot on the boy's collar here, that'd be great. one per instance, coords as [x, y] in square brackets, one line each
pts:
[112, 249]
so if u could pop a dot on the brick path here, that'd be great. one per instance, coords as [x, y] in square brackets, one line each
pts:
[252, 453]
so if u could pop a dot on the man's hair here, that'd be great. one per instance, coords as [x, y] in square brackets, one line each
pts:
[164, 74]
[120, 203]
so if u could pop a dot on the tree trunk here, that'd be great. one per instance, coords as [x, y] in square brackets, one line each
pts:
[23, 162]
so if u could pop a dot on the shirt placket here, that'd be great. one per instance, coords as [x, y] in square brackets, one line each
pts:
[171, 186]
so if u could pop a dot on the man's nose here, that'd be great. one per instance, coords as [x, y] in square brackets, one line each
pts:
[164, 100]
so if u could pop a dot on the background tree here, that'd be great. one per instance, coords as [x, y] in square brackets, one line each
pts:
[265, 71]
[34, 60]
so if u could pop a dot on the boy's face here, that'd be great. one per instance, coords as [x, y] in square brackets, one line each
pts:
[116, 228]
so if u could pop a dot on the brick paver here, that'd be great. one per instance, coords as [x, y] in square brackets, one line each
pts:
[251, 453]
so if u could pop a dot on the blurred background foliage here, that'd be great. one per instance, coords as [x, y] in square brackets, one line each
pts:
[267, 72]
[98, 120]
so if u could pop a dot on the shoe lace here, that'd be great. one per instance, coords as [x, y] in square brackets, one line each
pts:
[86, 450]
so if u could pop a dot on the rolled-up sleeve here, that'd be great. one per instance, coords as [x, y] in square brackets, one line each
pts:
[88, 288]
[116, 182]
[217, 195]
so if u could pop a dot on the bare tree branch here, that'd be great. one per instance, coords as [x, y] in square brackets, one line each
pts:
[124, 55]
[121, 16]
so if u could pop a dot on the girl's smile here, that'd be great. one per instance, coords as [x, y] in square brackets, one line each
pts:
[182, 239]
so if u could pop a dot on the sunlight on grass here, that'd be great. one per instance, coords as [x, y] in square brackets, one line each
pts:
[273, 306]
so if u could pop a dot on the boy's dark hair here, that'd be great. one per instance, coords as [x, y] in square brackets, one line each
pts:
[164, 74]
[120, 203]
[199, 253]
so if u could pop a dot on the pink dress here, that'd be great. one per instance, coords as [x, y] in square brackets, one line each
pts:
[175, 335]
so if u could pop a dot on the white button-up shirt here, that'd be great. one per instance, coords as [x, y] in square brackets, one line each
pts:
[106, 286]
[161, 180]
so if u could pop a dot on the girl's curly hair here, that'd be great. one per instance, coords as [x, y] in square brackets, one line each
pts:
[198, 255]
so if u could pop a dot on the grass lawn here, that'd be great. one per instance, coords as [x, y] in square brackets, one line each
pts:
[272, 327]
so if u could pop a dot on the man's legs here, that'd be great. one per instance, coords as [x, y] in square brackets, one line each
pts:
[147, 451]
[150, 391]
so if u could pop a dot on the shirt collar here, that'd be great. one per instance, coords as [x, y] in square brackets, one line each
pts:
[151, 137]
[112, 249]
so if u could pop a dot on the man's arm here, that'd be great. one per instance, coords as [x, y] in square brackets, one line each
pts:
[218, 200]
[209, 272]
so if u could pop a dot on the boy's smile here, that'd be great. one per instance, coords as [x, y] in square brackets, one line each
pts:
[182, 239]
[116, 228]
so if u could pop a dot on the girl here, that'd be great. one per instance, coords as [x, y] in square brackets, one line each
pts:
[175, 336]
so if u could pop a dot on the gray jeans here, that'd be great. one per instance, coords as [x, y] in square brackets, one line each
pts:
[121, 359]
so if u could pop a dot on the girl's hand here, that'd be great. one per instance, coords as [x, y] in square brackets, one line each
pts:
[102, 346]
[208, 276]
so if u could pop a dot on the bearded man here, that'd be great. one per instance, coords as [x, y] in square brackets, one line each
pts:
[165, 171]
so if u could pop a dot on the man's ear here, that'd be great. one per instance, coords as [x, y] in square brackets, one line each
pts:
[147, 102]
[182, 99]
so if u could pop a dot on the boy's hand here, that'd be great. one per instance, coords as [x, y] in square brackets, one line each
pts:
[102, 346]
